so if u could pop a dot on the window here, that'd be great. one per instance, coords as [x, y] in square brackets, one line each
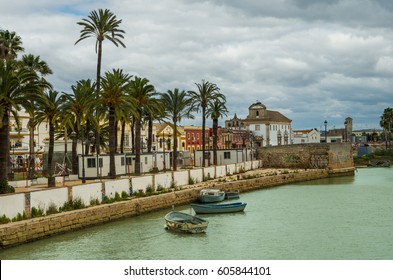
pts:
[129, 161]
[122, 161]
[227, 155]
[257, 127]
[91, 162]
[145, 160]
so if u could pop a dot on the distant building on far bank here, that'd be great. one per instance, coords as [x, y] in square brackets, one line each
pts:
[306, 136]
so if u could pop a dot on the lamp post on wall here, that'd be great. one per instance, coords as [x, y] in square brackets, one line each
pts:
[325, 122]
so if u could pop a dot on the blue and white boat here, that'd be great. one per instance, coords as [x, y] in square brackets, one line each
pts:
[218, 208]
[211, 195]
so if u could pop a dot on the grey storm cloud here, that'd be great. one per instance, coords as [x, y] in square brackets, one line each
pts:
[311, 60]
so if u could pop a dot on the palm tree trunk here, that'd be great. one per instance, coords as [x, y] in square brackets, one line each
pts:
[31, 164]
[174, 157]
[5, 167]
[123, 132]
[138, 146]
[51, 177]
[112, 143]
[98, 78]
[203, 135]
[215, 139]
[149, 135]
[74, 155]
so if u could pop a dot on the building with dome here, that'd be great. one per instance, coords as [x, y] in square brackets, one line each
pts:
[266, 127]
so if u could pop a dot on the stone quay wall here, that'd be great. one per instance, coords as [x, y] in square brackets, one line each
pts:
[37, 228]
[331, 156]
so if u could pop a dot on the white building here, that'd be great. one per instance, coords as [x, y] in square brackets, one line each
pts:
[306, 136]
[269, 128]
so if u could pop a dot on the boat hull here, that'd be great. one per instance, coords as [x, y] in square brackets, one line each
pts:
[182, 222]
[211, 196]
[232, 195]
[219, 208]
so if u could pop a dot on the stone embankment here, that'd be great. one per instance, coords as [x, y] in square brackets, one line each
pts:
[32, 229]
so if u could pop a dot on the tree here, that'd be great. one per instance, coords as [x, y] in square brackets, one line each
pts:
[177, 106]
[10, 45]
[143, 93]
[207, 92]
[78, 108]
[115, 86]
[49, 109]
[15, 84]
[101, 25]
[216, 110]
[386, 123]
[41, 68]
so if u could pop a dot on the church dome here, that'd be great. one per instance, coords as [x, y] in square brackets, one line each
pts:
[257, 105]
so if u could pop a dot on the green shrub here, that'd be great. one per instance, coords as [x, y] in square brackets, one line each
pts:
[19, 217]
[117, 197]
[72, 205]
[5, 187]
[160, 188]
[124, 195]
[52, 209]
[149, 190]
[191, 181]
[34, 213]
[4, 220]
[94, 202]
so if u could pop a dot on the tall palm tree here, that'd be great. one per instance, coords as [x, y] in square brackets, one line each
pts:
[101, 25]
[10, 45]
[78, 108]
[49, 109]
[207, 92]
[216, 110]
[143, 93]
[41, 68]
[177, 106]
[115, 86]
[386, 123]
[15, 84]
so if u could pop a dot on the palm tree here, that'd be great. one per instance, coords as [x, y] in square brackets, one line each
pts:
[101, 25]
[115, 86]
[177, 106]
[49, 109]
[207, 92]
[143, 93]
[78, 108]
[387, 123]
[216, 110]
[10, 45]
[15, 84]
[41, 68]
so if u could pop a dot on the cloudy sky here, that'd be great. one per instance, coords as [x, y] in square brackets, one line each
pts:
[311, 60]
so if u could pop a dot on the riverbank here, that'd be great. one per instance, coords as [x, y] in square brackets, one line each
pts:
[37, 228]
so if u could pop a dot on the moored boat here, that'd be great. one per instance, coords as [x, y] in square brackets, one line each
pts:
[182, 222]
[211, 195]
[218, 208]
[232, 194]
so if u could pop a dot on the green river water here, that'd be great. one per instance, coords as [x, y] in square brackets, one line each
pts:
[336, 218]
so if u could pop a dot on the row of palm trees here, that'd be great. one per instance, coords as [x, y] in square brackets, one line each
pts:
[114, 100]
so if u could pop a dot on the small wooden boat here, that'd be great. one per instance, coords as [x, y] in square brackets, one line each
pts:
[218, 208]
[183, 222]
[211, 195]
[232, 194]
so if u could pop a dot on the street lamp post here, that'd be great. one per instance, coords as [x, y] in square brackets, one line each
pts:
[90, 139]
[325, 122]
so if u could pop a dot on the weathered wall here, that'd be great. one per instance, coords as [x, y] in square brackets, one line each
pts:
[331, 156]
[32, 229]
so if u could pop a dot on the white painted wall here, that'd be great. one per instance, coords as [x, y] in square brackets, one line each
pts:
[117, 186]
[43, 199]
[11, 205]
[141, 183]
[164, 180]
[209, 172]
[197, 174]
[221, 171]
[180, 178]
[231, 169]
[87, 192]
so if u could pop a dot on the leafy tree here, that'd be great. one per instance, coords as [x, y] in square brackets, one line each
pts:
[386, 123]
[101, 25]
[177, 106]
[207, 93]
[49, 109]
[143, 93]
[115, 86]
[216, 110]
